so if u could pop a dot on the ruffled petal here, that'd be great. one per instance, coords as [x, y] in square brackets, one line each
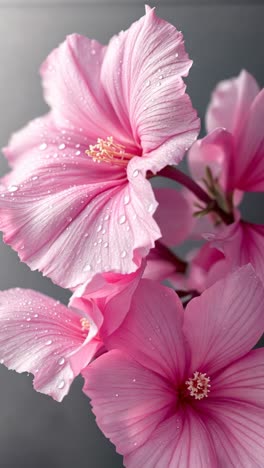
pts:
[72, 218]
[249, 163]
[182, 441]
[142, 73]
[242, 243]
[151, 332]
[231, 101]
[129, 401]
[173, 215]
[112, 293]
[41, 336]
[226, 321]
[72, 86]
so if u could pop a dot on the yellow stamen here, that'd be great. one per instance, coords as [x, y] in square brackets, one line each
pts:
[109, 152]
[198, 385]
[85, 324]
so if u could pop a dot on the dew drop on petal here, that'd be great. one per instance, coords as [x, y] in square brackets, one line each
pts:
[148, 83]
[122, 219]
[43, 146]
[135, 173]
[61, 361]
[61, 146]
[12, 188]
[87, 267]
[123, 254]
[126, 199]
[150, 208]
[61, 384]
[49, 342]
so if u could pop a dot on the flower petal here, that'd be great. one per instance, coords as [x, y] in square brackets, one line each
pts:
[142, 73]
[71, 219]
[249, 163]
[129, 401]
[181, 441]
[173, 215]
[72, 85]
[230, 102]
[235, 413]
[40, 335]
[226, 321]
[242, 243]
[151, 332]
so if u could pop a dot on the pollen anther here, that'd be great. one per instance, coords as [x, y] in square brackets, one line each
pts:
[109, 152]
[198, 385]
[85, 324]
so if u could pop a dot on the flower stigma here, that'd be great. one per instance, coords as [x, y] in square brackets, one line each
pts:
[198, 385]
[109, 152]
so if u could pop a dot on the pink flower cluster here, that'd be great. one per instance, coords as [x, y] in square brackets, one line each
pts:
[170, 370]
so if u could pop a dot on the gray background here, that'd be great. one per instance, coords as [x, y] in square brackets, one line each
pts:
[221, 37]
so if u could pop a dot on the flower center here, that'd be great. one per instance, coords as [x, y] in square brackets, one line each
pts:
[198, 385]
[109, 152]
[85, 324]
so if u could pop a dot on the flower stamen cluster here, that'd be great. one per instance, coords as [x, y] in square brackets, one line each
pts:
[198, 385]
[109, 152]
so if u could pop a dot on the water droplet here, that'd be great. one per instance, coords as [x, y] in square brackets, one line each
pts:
[49, 342]
[123, 254]
[135, 173]
[148, 83]
[99, 228]
[61, 361]
[43, 146]
[150, 208]
[106, 245]
[126, 199]
[35, 178]
[87, 268]
[28, 319]
[61, 146]
[160, 77]
[106, 217]
[61, 384]
[117, 395]
[12, 188]
[36, 315]
[176, 55]
[122, 219]
[2, 361]
[93, 51]
[134, 380]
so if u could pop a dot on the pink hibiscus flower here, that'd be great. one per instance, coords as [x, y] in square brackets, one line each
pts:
[235, 157]
[123, 106]
[183, 389]
[55, 342]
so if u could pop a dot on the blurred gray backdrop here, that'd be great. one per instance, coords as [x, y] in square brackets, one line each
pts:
[222, 37]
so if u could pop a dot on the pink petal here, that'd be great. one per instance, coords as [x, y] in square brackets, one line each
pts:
[129, 401]
[182, 441]
[151, 332]
[201, 265]
[112, 292]
[142, 73]
[242, 243]
[32, 139]
[226, 321]
[215, 151]
[235, 414]
[72, 85]
[72, 218]
[158, 268]
[249, 164]
[243, 381]
[41, 336]
[230, 102]
[173, 215]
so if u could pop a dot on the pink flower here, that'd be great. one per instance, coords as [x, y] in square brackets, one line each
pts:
[183, 388]
[123, 106]
[235, 156]
[54, 342]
